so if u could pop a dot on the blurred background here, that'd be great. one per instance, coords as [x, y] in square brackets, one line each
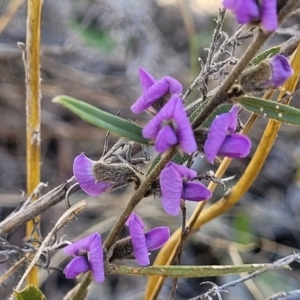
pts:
[91, 50]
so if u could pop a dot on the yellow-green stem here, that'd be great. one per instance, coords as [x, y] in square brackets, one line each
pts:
[33, 108]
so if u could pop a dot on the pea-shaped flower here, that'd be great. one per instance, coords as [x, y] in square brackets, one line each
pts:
[176, 184]
[97, 177]
[270, 73]
[249, 11]
[221, 139]
[144, 242]
[88, 256]
[281, 70]
[155, 92]
[171, 127]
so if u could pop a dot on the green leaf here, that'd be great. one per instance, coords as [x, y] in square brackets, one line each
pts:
[265, 54]
[103, 119]
[30, 292]
[271, 109]
[190, 271]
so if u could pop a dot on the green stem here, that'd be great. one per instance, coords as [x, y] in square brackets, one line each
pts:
[137, 197]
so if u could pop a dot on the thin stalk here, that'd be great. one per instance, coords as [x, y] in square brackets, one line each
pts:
[33, 109]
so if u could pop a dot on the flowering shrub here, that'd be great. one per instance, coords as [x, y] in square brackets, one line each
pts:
[188, 139]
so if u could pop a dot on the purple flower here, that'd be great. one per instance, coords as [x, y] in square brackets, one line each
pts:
[281, 70]
[83, 172]
[222, 140]
[145, 242]
[171, 127]
[88, 256]
[176, 184]
[248, 11]
[154, 90]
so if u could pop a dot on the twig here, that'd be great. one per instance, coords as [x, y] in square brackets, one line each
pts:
[285, 295]
[215, 37]
[36, 208]
[63, 220]
[276, 265]
[179, 254]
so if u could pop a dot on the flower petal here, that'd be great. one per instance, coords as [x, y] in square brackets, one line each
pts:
[95, 258]
[269, 15]
[230, 4]
[281, 70]
[233, 119]
[185, 173]
[184, 129]
[82, 246]
[151, 130]
[76, 266]
[216, 135]
[175, 87]
[135, 218]
[195, 191]
[151, 95]
[83, 172]
[235, 145]
[146, 79]
[247, 12]
[157, 237]
[171, 188]
[138, 242]
[165, 139]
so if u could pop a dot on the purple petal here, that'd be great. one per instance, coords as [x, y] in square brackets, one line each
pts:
[269, 15]
[159, 89]
[195, 191]
[173, 111]
[138, 242]
[247, 12]
[157, 237]
[184, 172]
[83, 172]
[146, 79]
[82, 246]
[281, 70]
[233, 119]
[171, 188]
[184, 130]
[136, 219]
[151, 130]
[216, 135]
[230, 4]
[175, 87]
[95, 258]
[165, 139]
[76, 266]
[235, 145]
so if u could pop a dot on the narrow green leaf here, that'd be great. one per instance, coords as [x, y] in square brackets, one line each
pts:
[105, 120]
[189, 271]
[271, 109]
[30, 292]
[265, 54]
